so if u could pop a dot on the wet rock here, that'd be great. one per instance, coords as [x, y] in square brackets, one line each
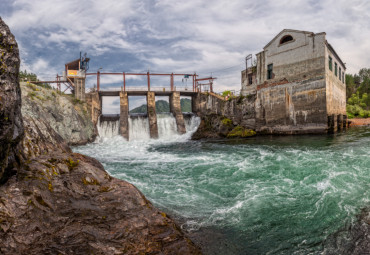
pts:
[11, 126]
[353, 239]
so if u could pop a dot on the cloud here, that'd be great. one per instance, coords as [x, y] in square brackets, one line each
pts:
[166, 36]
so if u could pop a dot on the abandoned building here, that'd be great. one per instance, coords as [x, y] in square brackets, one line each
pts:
[299, 84]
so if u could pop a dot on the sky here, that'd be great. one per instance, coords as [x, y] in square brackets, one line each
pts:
[211, 38]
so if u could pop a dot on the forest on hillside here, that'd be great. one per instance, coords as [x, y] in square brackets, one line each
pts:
[358, 94]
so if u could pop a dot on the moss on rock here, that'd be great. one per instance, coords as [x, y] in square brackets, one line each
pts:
[240, 131]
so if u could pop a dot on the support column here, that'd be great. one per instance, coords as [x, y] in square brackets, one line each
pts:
[123, 117]
[152, 116]
[332, 123]
[175, 108]
[195, 104]
[95, 106]
[340, 122]
[345, 122]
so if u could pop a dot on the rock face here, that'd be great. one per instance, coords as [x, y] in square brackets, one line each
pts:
[220, 117]
[11, 126]
[59, 202]
[67, 116]
[354, 239]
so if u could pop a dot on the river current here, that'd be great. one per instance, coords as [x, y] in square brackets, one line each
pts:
[262, 195]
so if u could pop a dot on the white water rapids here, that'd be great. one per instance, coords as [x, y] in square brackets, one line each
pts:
[139, 128]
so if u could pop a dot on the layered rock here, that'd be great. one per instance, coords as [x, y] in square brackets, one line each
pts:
[222, 118]
[59, 202]
[11, 125]
[66, 115]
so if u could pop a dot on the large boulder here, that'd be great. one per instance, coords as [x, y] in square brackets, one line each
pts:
[11, 125]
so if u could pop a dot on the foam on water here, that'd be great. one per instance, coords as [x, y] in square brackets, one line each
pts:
[279, 195]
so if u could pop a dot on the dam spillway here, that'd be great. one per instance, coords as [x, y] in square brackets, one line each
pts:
[138, 125]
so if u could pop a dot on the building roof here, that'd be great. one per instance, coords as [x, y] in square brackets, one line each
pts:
[288, 30]
[73, 65]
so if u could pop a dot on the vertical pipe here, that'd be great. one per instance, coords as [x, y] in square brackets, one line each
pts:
[171, 81]
[98, 80]
[211, 85]
[148, 81]
[194, 82]
[124, 82]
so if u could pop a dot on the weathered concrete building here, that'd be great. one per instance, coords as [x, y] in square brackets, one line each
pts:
[298, 81]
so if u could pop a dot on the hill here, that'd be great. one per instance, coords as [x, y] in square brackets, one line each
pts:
[163, 106]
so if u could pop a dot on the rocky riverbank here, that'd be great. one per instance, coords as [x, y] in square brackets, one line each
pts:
[359, 122]
[53, 201]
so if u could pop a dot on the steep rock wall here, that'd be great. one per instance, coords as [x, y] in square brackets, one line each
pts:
[11, 124]
[67, 116]
[219, 117]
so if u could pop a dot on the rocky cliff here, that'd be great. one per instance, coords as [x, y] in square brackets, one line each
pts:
[66, 115]
[224, 118]
[53, 201]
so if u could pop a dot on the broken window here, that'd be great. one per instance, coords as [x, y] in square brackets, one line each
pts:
[336, 69]
[330, 63]
[269, 71]
[343, 77]
[286, 38]
[340, 73]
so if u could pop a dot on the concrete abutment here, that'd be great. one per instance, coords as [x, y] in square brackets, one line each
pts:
[152, 116]
[175, 108]
[123, 117]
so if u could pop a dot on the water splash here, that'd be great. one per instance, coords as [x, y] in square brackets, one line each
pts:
[139, 128]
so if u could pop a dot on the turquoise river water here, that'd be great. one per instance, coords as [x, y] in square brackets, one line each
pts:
[263, 195]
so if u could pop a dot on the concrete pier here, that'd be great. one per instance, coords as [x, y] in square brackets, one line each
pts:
[339, 122]
[80, 89]
[332, 124]
[94, 105]
[152, 116]
[345, 122]
[123, 118]
[175, 108]
[195, 104]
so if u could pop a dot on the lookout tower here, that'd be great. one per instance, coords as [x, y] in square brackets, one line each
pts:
[75, 74]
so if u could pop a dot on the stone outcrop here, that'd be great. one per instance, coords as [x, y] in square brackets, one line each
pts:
[59, 202]
[220, 117]
[11, 125]
[352, 239]
[68, 116]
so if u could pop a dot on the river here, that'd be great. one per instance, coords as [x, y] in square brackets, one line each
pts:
[262, 195]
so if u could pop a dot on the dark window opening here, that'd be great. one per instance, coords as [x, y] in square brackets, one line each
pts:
[250, 79]
[330, 63]
[340, 73]
[336, 69]
[286, 38]
[343, 77]
[269, 72]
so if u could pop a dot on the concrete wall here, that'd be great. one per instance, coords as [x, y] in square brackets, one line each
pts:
[294, 60]
[94, 103]
[292, 108]
[335, 88]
